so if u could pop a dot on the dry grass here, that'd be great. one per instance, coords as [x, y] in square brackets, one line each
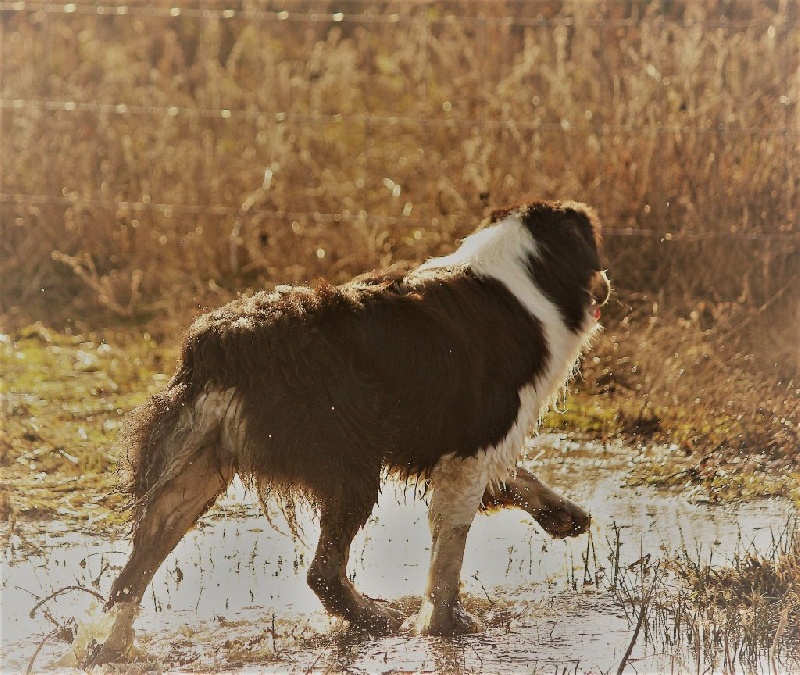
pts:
[354, 143]
[155, 164]
[727, 424]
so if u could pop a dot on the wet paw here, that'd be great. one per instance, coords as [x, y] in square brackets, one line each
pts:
[374, 617]
[446, 620]
[116, 646]
[567, 520]
[100, 654]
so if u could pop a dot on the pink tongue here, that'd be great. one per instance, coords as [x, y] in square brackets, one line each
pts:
[597, 313]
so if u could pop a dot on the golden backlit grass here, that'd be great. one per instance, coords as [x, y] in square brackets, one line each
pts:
[155, 164]
[182, 159]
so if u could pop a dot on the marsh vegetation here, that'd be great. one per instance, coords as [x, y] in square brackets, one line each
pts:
[164, 158]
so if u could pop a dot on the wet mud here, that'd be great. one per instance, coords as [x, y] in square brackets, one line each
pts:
[232, 597]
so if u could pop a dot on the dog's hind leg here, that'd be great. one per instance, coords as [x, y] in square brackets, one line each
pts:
[458, 485]
[340, 519]
[557, 515]
[167, 517]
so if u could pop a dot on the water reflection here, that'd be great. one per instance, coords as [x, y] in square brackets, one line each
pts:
[233, 595]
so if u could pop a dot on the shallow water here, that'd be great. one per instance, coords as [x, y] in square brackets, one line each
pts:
[232, 597]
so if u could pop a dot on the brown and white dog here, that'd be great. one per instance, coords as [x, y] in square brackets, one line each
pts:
[314, 393]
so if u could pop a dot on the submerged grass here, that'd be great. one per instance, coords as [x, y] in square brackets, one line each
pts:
[709, 616]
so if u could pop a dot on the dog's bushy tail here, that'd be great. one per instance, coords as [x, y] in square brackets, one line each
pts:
[156, 443]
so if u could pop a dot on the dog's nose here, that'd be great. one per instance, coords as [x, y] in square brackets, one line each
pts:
[601, 288]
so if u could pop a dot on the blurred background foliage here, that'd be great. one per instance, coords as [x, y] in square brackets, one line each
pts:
[159, 158]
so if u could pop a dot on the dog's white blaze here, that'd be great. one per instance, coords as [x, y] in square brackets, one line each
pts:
[499, 252]
[503, 258]
[472, 247]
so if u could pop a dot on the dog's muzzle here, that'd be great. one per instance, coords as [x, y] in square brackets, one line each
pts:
[599, 292]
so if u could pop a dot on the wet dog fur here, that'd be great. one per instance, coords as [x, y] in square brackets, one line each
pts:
[314, 394]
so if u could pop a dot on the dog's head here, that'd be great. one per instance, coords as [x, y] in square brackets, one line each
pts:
[565, 261]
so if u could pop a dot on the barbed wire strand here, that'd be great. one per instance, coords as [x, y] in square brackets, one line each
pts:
[718, 19]
[99, 108]
[47, 104]
[169, 210]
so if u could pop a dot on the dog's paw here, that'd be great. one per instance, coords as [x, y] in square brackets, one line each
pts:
[442, 620]
[101, 654]
[567, 520]
[376, 618]
[114, 645]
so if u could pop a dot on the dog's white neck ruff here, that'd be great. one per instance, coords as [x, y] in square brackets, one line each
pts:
[500, 252]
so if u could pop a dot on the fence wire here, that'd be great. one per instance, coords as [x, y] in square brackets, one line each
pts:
[479, 12]
[471, 13]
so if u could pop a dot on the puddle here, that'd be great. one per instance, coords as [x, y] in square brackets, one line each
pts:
[232, 597]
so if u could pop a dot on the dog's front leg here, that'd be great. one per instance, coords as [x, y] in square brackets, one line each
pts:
[557, 515]
[458, 485]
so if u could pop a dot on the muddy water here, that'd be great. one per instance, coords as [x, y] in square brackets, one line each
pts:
[232, 597]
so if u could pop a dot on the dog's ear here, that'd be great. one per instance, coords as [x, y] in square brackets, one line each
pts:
[585, 220]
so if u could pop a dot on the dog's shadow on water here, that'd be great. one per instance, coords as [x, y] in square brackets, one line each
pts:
[357, 654]
[525, 631]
